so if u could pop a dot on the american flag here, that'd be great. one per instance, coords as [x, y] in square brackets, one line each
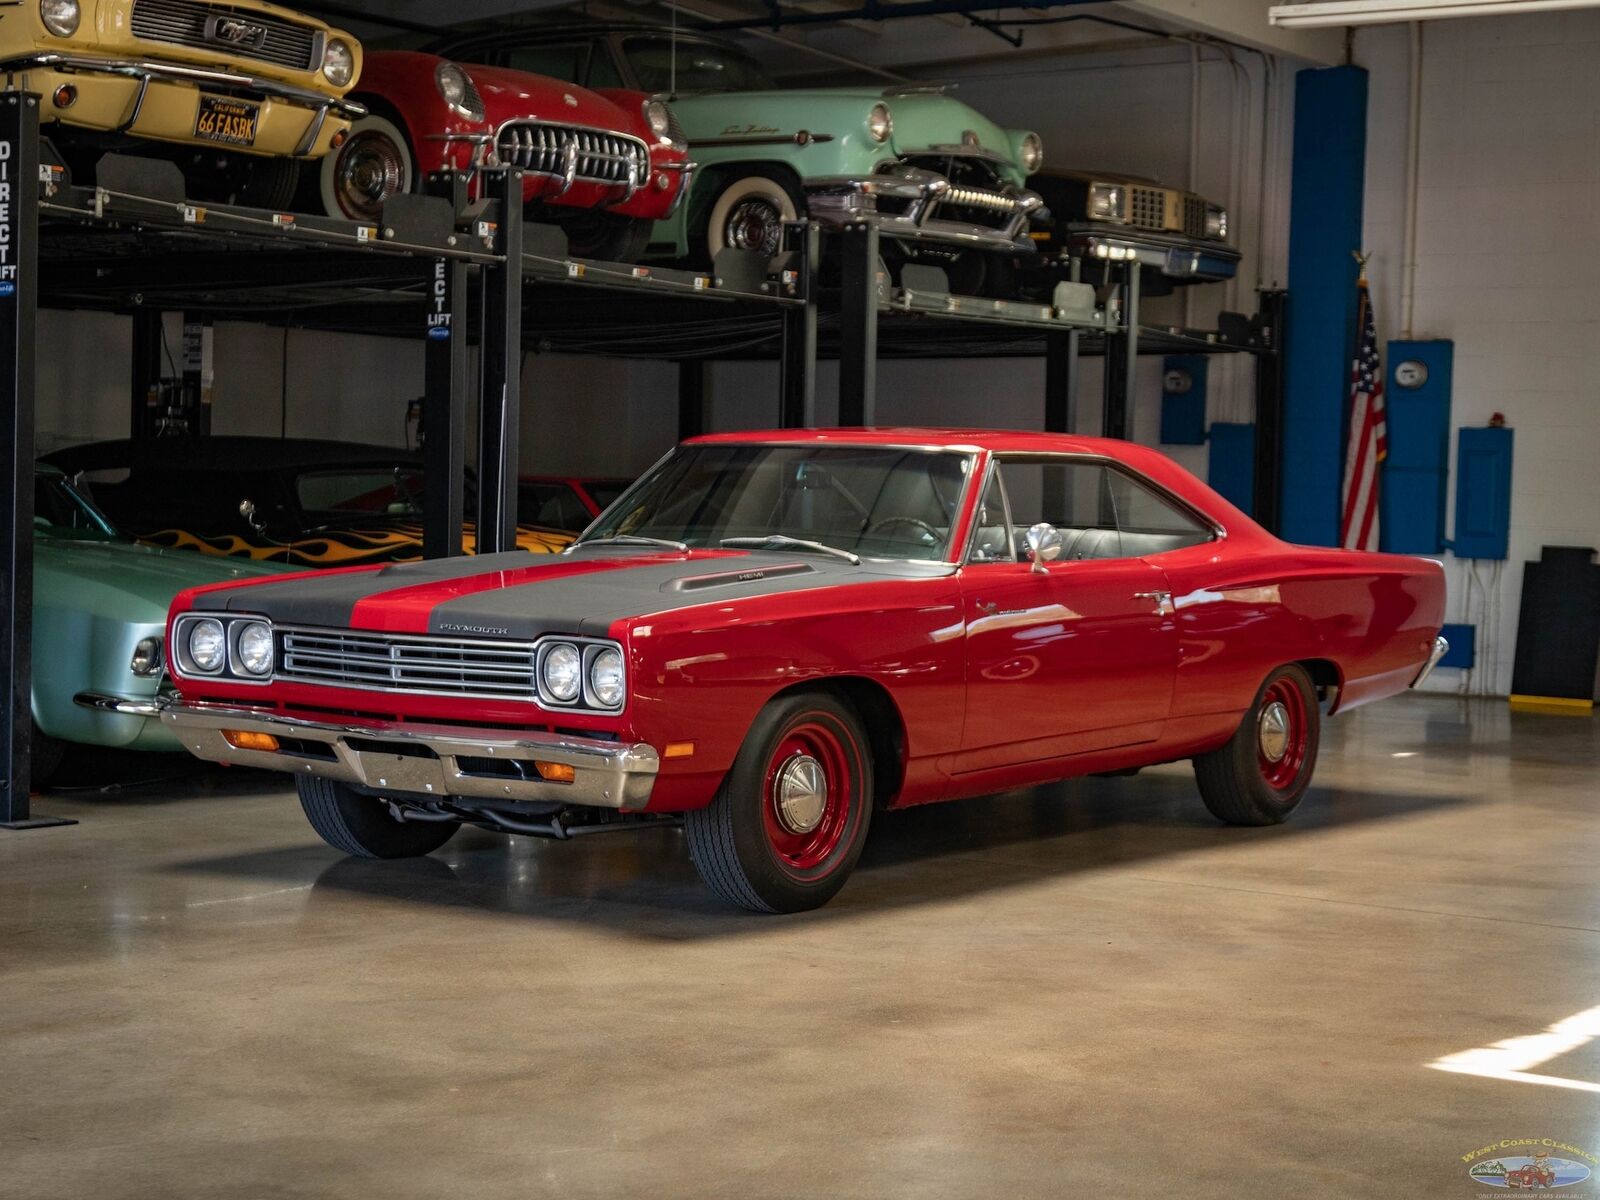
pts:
[1369, 435]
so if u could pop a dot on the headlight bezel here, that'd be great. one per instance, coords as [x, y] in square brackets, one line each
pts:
[337, 46]
[1030, 141]
[238, 655]
[1110, 198]
[192, 663]
[589, 652]
[182, 663]
[64, 29]
[1216, 222]
[548, 692]
[880, 123]
[592, 666]
[461, 104]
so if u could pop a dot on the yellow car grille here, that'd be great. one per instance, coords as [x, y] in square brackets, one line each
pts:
[228, 30]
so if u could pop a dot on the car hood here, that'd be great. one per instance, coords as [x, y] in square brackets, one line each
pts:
[510, 95]
[127, 580]
[525, 596]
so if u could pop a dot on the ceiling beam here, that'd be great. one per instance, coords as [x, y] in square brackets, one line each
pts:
[1245, 21]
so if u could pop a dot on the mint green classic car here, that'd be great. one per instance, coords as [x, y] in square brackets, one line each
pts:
[926, 168]
[99, 617]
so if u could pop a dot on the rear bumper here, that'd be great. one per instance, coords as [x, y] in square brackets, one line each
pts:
[1173, 255]
[1440, 649]
[428, 762]
[918, 195]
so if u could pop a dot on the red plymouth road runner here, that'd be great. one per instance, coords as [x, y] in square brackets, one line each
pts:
[771, 634]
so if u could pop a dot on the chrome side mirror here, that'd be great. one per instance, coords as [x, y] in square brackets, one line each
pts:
[1044, 545]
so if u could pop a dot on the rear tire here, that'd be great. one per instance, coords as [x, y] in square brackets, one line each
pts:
[1261, 774]
[787, 825]
[361, 825]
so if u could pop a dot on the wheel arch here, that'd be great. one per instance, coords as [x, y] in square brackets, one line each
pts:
[710, 179]
[1326, 677]
[881, 719]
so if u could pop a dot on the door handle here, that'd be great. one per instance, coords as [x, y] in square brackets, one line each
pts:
[1163, 600]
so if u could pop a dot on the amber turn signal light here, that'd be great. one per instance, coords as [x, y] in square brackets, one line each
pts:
[66, 96]
[553, 772]
[678, 750]
[243, 739]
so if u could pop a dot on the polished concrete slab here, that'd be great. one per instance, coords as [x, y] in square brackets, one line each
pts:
[1091, 989]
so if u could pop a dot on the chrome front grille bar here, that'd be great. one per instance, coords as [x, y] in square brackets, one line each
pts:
[574, 154]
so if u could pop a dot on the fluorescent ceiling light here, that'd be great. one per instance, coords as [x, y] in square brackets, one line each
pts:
[1378, 12]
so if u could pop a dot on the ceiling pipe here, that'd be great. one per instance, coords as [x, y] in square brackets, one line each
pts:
[1383, 12]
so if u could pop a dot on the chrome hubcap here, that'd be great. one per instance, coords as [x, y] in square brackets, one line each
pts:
[1273, 731]
[801, 794]
[755, 225]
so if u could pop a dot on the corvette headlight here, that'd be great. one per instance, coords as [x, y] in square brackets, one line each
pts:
[1216, 222]
[1107, 202]
[254, 648]
[458, 92]
[207, 646]
[659, 119]
[146, 658]
[1032, 150]
[605, 678]
[880, 124]
[60, 17]
[561, 672]
[338, 62]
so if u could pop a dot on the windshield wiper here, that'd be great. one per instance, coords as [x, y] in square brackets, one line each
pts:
[782, 541]
[633, 539]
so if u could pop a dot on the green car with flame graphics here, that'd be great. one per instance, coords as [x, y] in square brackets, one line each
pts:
[929, 170]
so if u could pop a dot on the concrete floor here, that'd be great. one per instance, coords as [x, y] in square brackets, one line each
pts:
[1091, 990]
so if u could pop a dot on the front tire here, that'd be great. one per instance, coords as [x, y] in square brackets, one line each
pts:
[361, 825]
[1263, 772]
[375, 163]
[608, 237]
[787, 825]
[748, 214]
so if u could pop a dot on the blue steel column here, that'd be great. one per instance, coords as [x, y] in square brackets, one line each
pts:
[1330, 148]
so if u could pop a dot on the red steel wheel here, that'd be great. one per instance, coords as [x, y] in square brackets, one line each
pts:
[1262, 772]
[785, 829]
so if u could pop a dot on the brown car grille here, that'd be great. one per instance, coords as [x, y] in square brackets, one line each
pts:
[591, 155]
[404, 663]
[1147, 207]
[1194, 216]
[228, 30]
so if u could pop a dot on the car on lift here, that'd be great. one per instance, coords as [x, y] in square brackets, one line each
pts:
[100, 605]
[1104, 217]
[302, 501]
[937, 176]
[239, 95]
[569, 502]
[603, 165]
[772, 635]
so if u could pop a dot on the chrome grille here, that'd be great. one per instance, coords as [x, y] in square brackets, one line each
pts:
[190, 23]
[1147, 207]
[978, 198]
[1194, 216]
[441, 666]
[596, 156]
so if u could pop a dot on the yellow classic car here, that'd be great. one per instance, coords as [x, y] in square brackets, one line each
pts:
[245, 89]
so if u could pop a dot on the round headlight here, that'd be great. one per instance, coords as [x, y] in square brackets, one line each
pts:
[561, 672]
[207, 646]
[255, 648]
[338, 62]
[1032, 152]
[458, 92]
[60, 17]
[879, 123]
[146, 657]
[605, 678]
[659, 119]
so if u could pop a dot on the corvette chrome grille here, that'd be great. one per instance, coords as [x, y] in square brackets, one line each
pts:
[228, 30]
[441, 666]
[571, 152]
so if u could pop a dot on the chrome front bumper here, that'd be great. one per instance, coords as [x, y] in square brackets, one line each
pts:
[839, 200]
[101, 702]
[427, 761]
[1440, 649]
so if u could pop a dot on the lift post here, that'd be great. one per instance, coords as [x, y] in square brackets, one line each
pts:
[692, 397]
[1122, 358]
[1268, 493]
[500, 348]
[19, 310]
[858, 324]
[797, 360]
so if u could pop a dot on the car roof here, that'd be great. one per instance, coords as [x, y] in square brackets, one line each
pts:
[219, 453]
[945, 438]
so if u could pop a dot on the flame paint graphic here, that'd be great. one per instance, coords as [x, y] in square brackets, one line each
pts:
[400, 542]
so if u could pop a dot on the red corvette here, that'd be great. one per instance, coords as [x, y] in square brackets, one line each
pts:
[604, 165]
[770, 635]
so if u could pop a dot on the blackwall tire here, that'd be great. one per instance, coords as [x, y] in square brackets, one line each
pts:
[748, 213]
[771, 841]
[607, 237]
[361, 825]
[374, 163]
[1263, 772]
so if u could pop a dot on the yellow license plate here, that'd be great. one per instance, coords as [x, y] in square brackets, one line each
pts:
[232, 122]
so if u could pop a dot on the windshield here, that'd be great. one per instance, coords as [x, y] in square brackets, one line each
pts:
[702, 66]
[875, 501]
[606, 491]
[391, 491]
[62, 510]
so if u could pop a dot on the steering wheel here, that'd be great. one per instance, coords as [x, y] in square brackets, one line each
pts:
[877, 526]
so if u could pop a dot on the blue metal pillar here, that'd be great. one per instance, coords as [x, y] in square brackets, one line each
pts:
[1330, 149]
